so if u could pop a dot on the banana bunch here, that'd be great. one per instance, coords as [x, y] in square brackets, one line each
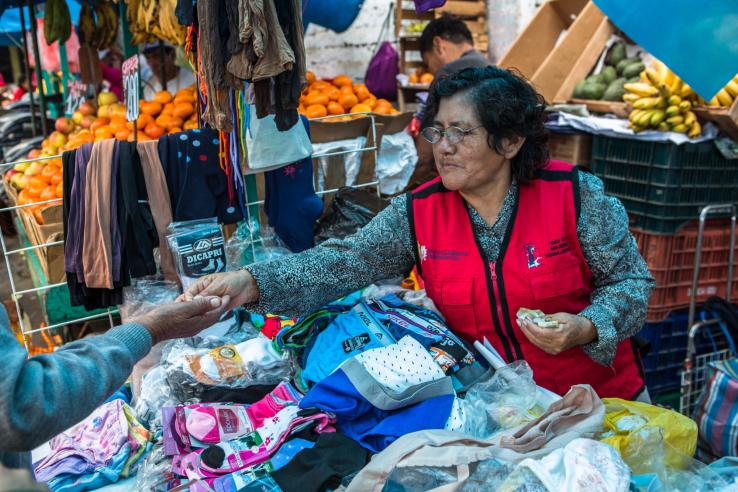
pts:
[57, 21]
[726, 95]
[662, 101]
[155, 19]
[98, 24]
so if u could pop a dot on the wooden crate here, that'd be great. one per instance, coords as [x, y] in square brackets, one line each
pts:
[575, 148]
[723, 117]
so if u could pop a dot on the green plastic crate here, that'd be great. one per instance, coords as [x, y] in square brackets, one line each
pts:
[663, 185]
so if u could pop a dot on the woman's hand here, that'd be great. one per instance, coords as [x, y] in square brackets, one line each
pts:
[240, 288]
[182, 319]
[573, 330]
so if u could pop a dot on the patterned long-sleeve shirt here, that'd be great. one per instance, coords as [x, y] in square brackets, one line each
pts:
[298, 284]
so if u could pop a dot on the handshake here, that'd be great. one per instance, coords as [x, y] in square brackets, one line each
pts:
[200, 306]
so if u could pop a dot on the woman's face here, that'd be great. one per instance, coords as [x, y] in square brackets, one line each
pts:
[472, 163]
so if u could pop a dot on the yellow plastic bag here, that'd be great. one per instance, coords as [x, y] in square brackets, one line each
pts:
[625, 419]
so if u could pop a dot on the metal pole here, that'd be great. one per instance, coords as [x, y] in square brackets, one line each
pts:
[162, 65]
[27, 70]
[37, 58]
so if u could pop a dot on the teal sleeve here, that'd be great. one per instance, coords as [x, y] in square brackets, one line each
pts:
[44, 395]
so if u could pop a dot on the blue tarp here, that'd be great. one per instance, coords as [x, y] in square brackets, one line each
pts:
[10, 25]
[698, 41]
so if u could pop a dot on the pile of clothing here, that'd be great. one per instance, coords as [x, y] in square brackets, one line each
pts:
[120, 199]
[371, 392]
[107, 446]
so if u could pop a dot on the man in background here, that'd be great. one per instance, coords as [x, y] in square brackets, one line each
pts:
[446, 46]
[162, 62]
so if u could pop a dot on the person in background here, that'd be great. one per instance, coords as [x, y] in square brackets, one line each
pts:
[165, 68]
[446, 46]
[21, 89]
[44, 395]
[110, 64]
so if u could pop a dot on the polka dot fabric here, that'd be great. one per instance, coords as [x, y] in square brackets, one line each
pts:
[402, 365]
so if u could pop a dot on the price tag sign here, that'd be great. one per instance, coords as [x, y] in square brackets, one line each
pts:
[131, 87]
[76, 95]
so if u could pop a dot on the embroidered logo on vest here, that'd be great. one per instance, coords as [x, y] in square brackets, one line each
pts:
[530, 253]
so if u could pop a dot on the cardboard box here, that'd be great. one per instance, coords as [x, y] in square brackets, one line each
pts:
[539, 38]
[575, 148]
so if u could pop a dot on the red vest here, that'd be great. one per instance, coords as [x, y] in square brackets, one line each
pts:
[540, 266]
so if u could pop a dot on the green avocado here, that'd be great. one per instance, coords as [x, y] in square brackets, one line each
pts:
[615, 90]
[633, 70]
[608, 74]
[616, 54]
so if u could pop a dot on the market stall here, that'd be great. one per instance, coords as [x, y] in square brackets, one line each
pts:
[129, 201]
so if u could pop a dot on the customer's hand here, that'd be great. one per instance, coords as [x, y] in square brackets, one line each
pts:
[240, 287]
[182, 319]
[573, 330]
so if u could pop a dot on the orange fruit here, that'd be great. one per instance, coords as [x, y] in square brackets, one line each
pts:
[191, 125]
[318, 98]
[163, 97]
[414, 78]
[183, 110]
[426, 78]
[152, 108]
[164, 120]
[335, 108]
[333, 93]
[174, 129]
[168, 109]
[316, 111]
[60, 190]
[48, 193]
[382, 109]
[153, 130]
[117, 125]
[361, 108]
[384, 102]
[143, 120]
[34, 187]
[57, 178]
[371, 101]
[342, 81]
[48, 172]
[348, 101]
[99, 122]
[122, 134]
[103, 132]
[319, 85]
[347, 90]
[310, 76]
[361, 92]
[301, 108]
[24, 198]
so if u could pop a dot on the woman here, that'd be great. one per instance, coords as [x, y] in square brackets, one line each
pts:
[502, 228]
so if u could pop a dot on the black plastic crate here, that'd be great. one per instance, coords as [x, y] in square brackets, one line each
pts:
[664, 185]
[668, 340]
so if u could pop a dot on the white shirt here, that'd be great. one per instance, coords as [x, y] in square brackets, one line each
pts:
[185, 78]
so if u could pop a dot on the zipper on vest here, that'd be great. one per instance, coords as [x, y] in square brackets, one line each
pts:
[496, 291]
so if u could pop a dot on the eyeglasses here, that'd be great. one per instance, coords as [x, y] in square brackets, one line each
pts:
[454, 134]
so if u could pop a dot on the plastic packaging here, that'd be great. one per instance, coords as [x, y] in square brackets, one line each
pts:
[238, 360]
[155, 471]
[197, 247]
[253, 244]
[350, 210]
[501, 402]
[145, 294]
[628, 424]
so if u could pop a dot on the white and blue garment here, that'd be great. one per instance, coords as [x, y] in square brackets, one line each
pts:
[380, 323]
[384, 393]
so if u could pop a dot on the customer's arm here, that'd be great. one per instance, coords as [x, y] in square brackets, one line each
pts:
[298, 284]
[623, 283]
[44, 395]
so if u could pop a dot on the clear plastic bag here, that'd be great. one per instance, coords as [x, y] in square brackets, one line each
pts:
[412, 478]
[238, 360]
[252, 243]
[198, 248]
[145, 294]
[500, 402]
[155, 471]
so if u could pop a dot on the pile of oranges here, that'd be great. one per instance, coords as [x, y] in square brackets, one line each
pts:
[421, 76]
[340, 97]
[37, 182]
[167, 114]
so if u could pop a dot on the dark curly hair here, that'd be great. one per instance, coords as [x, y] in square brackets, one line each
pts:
[507, 106]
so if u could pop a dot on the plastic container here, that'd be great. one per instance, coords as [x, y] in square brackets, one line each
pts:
[671, 261]
[668, 340]
[663, 185]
